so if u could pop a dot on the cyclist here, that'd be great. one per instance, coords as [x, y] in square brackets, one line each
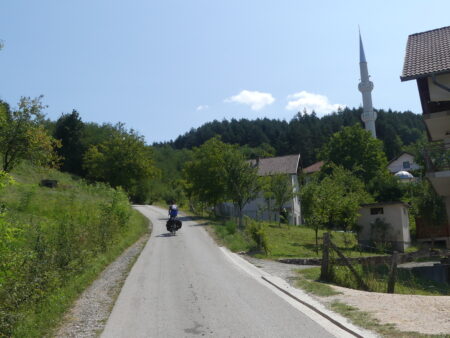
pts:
[173, 210]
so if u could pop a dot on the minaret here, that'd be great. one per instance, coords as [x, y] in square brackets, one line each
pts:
[365, 87]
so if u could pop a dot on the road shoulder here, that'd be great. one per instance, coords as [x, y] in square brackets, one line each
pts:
[88, 316]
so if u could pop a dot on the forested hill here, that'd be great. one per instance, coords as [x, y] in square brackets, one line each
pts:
[305, 134]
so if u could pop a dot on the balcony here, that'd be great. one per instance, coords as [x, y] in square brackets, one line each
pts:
[438, 125]
[437, 161]
[437, 156]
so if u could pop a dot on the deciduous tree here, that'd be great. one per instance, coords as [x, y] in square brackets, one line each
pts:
[204, 175]
[356, 150]
[241, 180]
[278, 188]
[123, 160]
[22, 135]
[333, 201]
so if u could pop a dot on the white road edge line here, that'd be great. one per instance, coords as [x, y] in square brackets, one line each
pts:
[291, 294]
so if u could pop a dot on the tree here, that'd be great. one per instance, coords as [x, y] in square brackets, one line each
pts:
[427, 205]
[69, 130]
[315, 206]
[204, 175]
[219, 172]
[122, 161]
[356, 150]
[279, 189]
[334, 201]
[22, 136]
[387, 188]
[241, 180]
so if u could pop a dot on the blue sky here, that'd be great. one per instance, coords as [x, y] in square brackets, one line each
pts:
[165, 67]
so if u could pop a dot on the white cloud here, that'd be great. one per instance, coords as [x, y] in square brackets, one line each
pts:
[310, 101]
[202, 107]
[256, 100]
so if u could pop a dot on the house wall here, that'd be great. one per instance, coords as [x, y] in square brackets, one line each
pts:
[396, 215]
[397, 165]
[259, 207]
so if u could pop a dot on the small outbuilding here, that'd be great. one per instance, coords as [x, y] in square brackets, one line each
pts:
[386, 224]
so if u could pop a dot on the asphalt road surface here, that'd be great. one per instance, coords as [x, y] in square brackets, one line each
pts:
[184, 286]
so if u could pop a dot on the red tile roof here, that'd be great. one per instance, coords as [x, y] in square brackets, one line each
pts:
[427, 53]
[313, 168]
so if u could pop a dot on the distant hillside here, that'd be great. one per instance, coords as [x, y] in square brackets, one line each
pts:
[305, 134]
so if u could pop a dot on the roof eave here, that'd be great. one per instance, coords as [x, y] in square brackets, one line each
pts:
[418, 76]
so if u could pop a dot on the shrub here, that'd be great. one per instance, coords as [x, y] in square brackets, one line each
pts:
[257, 232]
[231, 227]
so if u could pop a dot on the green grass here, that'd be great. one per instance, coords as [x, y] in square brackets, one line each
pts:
[286, 241]
[376, 278]
[54, 243]
[407, 283]
[309, 281]
[41, 319]
[365, 320]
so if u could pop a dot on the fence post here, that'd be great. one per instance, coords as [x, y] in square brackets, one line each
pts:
[392, 273]
[344, 259]
[324, 273]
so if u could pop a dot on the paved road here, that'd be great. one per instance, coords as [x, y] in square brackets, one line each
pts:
[184, 286]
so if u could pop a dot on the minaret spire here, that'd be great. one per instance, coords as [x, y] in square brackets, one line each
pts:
[362, 56]
[365, 87]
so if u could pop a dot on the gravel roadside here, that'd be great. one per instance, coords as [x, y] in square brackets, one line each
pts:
[406, 312]
[88, 316]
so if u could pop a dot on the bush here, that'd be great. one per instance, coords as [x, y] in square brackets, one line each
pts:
[231, 227]
[257, 232]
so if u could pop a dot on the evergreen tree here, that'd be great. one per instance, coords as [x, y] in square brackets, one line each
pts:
[69, 130]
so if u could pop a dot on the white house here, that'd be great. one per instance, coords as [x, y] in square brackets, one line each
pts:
[259, 208]
[405, 162]
[394, 215]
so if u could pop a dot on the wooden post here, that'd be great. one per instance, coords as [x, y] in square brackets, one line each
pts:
[359, 279]
[392, 273]
[324, 273]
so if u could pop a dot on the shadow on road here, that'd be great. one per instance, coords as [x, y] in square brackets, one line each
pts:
[167, 234]
[189, 218]
[199, 224]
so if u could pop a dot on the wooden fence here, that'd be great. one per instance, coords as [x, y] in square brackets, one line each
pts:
[392, 260]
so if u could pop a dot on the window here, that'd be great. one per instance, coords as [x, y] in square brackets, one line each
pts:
[376, 211]
[406, 165]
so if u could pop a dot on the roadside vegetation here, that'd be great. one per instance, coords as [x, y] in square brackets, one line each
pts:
[282, 241]
[376, 279]
[54, 242]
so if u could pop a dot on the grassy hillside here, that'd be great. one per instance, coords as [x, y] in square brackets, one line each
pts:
[54, 242]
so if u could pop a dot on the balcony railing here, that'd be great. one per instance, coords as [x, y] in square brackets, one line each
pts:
[437, 156]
